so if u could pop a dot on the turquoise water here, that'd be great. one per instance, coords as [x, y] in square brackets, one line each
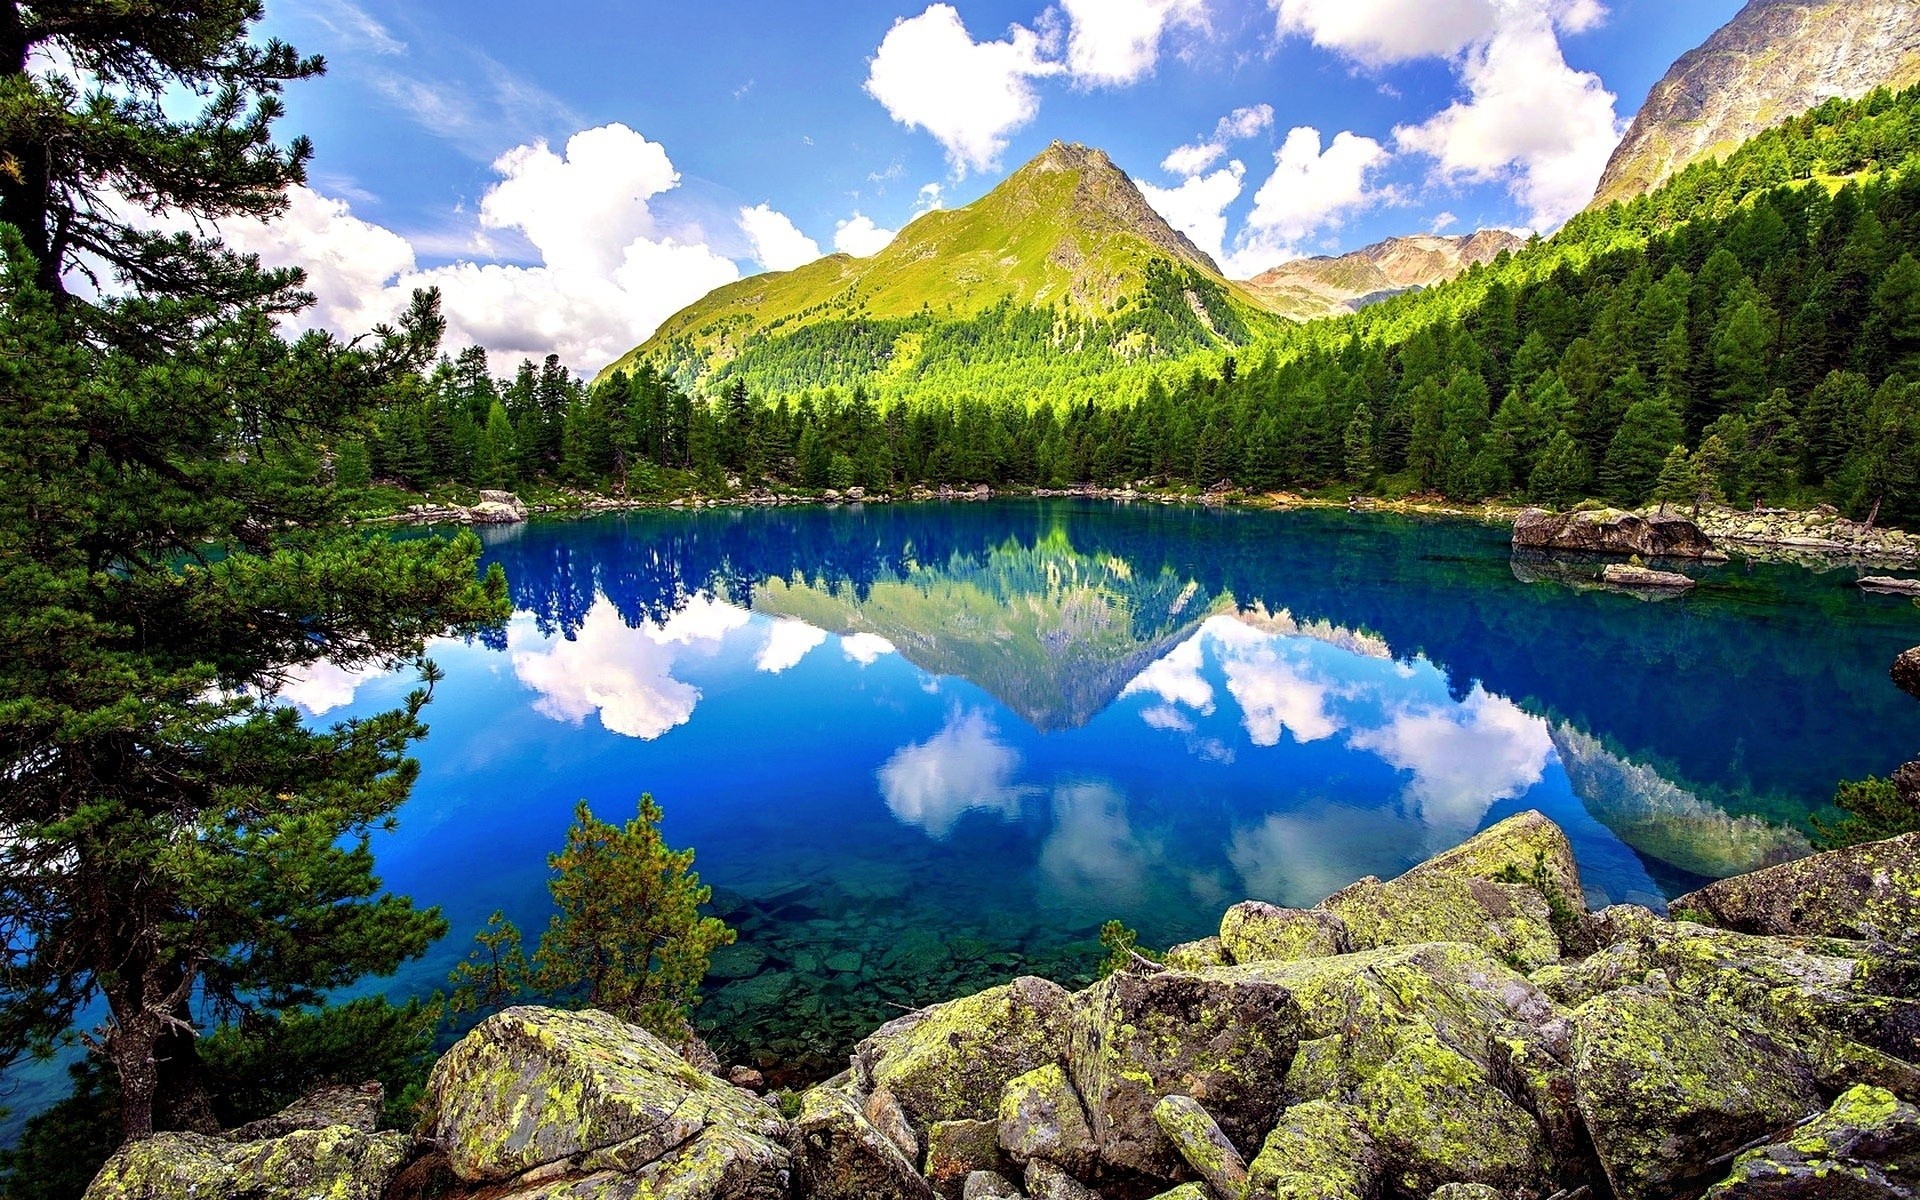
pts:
[922, 749]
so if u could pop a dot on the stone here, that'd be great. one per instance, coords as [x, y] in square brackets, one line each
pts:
[1666, 1088]
[533, 1086]
[1630, 576]
[1513, 890]
[1906, 672]
[1870, 889]
[957, 1149]
[890, 1119]
[497, 508]
[1436, 1117]
[738, 961]
[951, 1061]
[338, 1162]
[988, 1185]
[1317, 1151]
[1889, 585]
[354, 1106]
[839, 1155]
[1611, 531]
[1866, 1147]
[1188, 1191]
[1465, 1191]
[1041, 1116]
[1253, 931]
[1199, 1140]
[1195, 956]
[1136, 1038]
[1045, 1181]
[722, 1163]
[746, 1077]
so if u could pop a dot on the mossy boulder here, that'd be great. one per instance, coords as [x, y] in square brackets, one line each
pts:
[1866, 1147]
[950, 1062]
[335, 1163]
[1866, 890]
[1196, 956]
[1318, 1151]
[1906, 672]
[1046, 1181]
[720, 1163]
[1666, 1087]
[1437, 1118]
[839, 1155]
[1254, 931]
[1041, 1116]
[1513, 890]
[1226, 1042]
[1199, 1140]
[531, 1087]
[956, 1149]
[989, 1185]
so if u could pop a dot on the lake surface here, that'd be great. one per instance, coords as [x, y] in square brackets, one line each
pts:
[922, 749]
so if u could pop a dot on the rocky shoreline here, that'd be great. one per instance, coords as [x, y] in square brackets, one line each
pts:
[1467, 1031]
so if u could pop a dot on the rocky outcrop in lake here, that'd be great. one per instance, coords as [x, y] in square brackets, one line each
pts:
[1611, 531]
[1466, 1030]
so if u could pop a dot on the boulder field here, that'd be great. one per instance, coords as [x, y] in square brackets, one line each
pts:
[1468, 1031]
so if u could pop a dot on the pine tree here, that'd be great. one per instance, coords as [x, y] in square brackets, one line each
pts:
[1359, 447]
[175, 548]
[1639, 451]
[1678, 483]
[1561, 473]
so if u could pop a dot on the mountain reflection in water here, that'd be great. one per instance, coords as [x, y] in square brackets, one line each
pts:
[924, 749]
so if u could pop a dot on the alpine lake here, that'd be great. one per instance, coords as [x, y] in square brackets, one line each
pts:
[922, 749]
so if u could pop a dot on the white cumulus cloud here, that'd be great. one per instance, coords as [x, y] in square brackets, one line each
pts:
[1116, 42]
[787, 643]
[778, 244]
[1463, 757]
[971, 96]
[860, 237]
[1313, 187]
[1198, 207]
[1238, 125]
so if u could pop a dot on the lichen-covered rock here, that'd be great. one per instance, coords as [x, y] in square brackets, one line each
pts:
[534, 1086]
[988, 1185]
[1041, 1116]
[1465, 1191]
[951, 1061]
[889, 1118]
[1906, 672]
[1199, 1140]
[720, 1163]
[1045, 1181]
[1513, 890]
[839, 1155]
[337, 1163]
[1866, 1147]
[1315, 1073]
[1257, 932]
[1317, 1151]
[356, 1106]
[1188, 1191]
[1195, 956]
[956, 1149]
[1226, 1041]
[1667, 1087]
[1436, 1117]
[1857, 891]
[1611, 531]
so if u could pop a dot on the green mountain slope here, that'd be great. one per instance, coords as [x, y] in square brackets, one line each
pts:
[1065, 258]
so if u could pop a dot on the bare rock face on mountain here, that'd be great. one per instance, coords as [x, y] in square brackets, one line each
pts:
[1328, 286]
[1775, 60]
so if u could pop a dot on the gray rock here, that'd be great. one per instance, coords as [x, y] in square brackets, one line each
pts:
[1199, 1140]
[1870, 888]
[1253, 931]
[354, 1106]
[988, 1185]
[1611, 531]
[1138, 1038]
[337, 1162]
[1041, 1116]
[957, 1149]
[1317, 1151]
[1866, 1147]
[839, 1155]
[951, 1061]
[890, 1119]
[1889, 585]
[1046, 1181]
[1629, 576]
[1906, 672]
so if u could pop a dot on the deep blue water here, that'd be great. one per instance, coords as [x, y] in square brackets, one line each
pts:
[922, 749]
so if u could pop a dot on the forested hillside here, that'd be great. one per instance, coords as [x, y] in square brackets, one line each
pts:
[1751, 330]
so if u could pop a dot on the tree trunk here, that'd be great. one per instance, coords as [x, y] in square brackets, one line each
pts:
[1875, 514]
[25, 181]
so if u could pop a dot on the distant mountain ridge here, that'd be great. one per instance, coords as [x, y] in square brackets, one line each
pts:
[1332, 285]
[1069, 231]
[1774, 60]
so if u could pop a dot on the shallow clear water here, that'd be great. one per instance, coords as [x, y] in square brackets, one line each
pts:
[922, 749]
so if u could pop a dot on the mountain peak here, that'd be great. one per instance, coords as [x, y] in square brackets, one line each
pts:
[1318, 287]
[1774, 60]
[1104, 200]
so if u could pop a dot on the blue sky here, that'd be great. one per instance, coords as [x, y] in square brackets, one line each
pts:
[571, 173]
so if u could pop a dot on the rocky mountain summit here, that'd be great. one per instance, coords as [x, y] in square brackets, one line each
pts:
[1774, 60]
[1467, 1031]
[1330, 285]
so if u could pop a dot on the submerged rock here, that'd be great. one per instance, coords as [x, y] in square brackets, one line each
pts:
[1611, 531]
[1868, 890]
[1630, 576]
